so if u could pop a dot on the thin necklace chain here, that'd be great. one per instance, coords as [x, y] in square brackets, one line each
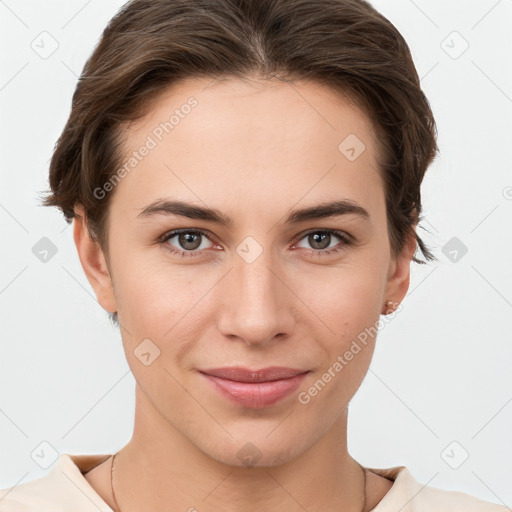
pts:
[112, 483]
[118, 509]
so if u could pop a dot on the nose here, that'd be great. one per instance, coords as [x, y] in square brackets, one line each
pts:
[257, 303]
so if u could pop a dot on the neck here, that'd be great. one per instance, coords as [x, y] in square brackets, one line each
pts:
[161, 468]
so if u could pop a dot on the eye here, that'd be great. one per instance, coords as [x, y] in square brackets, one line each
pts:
[321, 241]
[191, 242]
[188, 242]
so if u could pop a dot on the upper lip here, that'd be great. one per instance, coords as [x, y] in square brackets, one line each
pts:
[240, 374]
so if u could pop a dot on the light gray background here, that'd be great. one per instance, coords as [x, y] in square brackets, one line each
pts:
[440, 381]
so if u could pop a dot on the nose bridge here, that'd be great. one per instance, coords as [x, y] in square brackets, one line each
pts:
[258, 302]
[257, 280]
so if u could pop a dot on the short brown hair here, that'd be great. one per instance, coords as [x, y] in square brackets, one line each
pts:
[149, 45]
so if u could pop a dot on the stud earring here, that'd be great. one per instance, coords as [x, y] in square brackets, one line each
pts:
[390, 306]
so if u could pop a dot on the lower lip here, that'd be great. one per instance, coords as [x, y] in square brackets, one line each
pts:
[256, 395]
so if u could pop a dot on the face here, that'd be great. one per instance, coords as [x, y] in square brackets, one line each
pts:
[264, 287]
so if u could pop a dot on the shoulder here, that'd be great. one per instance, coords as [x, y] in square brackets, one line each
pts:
[38, 494]
[409, 495]
[442, 500]
[62, 489]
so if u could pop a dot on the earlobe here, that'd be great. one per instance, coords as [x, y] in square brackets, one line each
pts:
[93, 262]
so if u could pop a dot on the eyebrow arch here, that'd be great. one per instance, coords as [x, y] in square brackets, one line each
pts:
[320, 211]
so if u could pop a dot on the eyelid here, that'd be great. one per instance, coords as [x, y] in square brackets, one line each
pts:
[339, 233]
[173, 232]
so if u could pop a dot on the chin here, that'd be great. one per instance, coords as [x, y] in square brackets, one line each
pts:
[255, 451]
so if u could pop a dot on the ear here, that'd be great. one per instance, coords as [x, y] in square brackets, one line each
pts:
[399, 275]
[93, 262]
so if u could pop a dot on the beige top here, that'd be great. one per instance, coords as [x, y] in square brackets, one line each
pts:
[65, 489]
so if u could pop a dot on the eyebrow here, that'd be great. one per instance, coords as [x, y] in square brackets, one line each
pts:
[319, 211]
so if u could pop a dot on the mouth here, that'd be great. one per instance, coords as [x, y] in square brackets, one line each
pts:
[241, 374]
[255, 389]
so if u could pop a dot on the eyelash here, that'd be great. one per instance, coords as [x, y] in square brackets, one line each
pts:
[345, 239]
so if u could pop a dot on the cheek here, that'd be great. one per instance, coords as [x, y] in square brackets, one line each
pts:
[347, 352]
[161, 302]
[346, 298]
[147, 286]
[347, 311]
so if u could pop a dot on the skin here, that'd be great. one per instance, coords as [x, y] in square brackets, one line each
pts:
[254, 150]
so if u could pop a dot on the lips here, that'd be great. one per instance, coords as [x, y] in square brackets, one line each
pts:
[255, 389]
[240, 374]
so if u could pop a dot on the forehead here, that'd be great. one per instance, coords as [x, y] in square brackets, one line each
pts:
[252, 137]
[270, 106]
